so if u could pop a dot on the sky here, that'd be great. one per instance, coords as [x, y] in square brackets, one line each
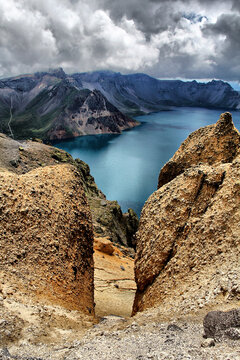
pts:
[194, 39]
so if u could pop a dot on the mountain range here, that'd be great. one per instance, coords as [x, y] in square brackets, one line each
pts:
[137, 94]
[53, 105]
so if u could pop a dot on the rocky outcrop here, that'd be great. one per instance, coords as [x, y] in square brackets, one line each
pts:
[188, 239]
[208, 145]
[46, 240]
[108, 220]
[46, 237]
[107, 216]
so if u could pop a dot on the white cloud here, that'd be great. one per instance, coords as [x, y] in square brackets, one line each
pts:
[186, 40]
[53, 33]
[174, 38]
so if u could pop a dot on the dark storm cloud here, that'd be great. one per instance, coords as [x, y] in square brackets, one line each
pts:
[150, 17]
[236, 5]
[153, 16]
[36, 35]
[226, 32]
[171, 38]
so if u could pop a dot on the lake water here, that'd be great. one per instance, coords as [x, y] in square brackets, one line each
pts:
[126, 166]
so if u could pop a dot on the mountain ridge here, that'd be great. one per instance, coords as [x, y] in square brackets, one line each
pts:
[50, 106]
[54, 105]
[140, 93]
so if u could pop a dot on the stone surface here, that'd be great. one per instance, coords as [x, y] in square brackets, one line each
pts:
[208, 145]
[188, 249]
[207, 343]
[219, 323]
[104, 245]
[114, 289]
[108, 220]
[46, 236]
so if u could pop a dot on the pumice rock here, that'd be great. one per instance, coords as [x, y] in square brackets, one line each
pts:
[46, 236]
[188, 240]
[208, 145]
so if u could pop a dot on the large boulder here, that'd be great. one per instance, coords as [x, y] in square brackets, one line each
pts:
[46, 236]
[222, 324]
[188, 239]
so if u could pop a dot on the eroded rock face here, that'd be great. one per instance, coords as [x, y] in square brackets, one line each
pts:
[46, 236]
[108, 220]
[188, 239]
[208, 145]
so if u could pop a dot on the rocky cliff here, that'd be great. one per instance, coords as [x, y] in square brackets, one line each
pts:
[188, 245]
[21, 157]
[53, 106]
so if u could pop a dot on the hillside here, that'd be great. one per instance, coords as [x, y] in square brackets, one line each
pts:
[49, 106]
[53, 105]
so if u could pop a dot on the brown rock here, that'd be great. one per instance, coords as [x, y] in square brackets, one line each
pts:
[114, 289]
[46, 236]
[208, 145]
[188, 239]
[104, 245]
[108, 219]
[207, 343]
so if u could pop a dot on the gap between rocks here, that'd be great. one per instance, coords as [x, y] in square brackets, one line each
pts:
[114, 284]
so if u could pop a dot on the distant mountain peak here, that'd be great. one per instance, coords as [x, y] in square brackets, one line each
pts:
[56, 72]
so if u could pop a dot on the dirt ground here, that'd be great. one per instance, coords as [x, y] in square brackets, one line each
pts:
[114, 283]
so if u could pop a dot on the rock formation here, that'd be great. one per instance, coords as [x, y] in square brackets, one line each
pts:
[208, 145]
[188, 239]
[46, 241]
[46, 236]
[108, 220]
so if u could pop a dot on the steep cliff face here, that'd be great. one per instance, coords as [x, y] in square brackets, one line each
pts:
[89, 113]
[52, 106]
[188, 240]
[46, 237]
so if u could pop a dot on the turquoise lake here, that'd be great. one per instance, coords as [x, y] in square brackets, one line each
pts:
[126, 166]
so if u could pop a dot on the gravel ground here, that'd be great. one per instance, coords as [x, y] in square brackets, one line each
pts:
[116, 338]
